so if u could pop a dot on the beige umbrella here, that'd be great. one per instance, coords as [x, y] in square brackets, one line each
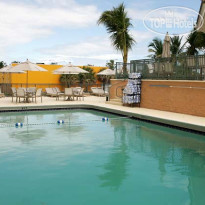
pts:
[28, 66]
[69, 70]
[5, 69]
[107, 72]
[166, 47]
[8, 69]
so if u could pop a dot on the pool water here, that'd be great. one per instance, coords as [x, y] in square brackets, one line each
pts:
[90, 162]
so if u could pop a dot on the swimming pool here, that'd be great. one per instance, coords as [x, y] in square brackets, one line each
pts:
[89, 162]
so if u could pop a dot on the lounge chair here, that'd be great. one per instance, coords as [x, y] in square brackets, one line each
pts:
[98, 91]
[94, 90]
[69, 94]
[13, 93]
[51, 92]
[79, 94]
[54, 91]
[20, 93]
[58, 90]
[76, 89]
[59, 93]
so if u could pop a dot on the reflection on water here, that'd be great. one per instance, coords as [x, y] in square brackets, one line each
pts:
[116, 167]
[27, 134]
[34, 127]
[117, 162]
[182, 152]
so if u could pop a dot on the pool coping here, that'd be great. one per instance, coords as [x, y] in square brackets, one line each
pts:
[159, 120]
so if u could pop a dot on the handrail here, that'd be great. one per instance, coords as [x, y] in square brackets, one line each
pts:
[120, 87]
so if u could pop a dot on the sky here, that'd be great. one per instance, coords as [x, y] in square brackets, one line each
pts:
[62, 31]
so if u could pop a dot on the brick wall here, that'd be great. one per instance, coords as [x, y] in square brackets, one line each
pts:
[116, 86]
[157, 94]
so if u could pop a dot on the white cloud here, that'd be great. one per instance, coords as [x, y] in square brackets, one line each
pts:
[97, 48]
[22, 23]
[142, 36]
[137, 14]
[29, 20]
[56, 3]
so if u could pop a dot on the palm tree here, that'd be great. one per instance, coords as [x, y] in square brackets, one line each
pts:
[111, 64]
[2, 64]
[196, 41]
[68, 80]
[156, 47]
[117, 24]
[87, 78]
[176, 47]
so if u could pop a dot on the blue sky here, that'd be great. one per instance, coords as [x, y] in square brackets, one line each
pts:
[66, 31]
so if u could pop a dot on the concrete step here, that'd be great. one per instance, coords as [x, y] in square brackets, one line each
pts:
[117, 101]
[113, 103]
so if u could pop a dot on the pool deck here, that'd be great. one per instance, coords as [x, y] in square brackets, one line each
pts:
[91, 102]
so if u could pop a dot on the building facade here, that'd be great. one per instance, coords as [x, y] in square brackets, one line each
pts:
[200, 21]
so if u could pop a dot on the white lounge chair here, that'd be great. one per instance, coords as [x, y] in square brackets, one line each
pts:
[76, 89]
[97, 91]
[58, 90]
[59, 93]
[79, 94]
[51, 92]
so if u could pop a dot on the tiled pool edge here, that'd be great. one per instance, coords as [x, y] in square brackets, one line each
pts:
[158, 120]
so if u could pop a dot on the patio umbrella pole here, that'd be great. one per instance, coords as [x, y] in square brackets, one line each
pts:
[27, 80]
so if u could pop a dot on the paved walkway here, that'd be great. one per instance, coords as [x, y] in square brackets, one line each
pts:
[175, 119]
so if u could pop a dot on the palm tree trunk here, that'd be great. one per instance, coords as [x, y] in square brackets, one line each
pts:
[124, 50]
[125, 57]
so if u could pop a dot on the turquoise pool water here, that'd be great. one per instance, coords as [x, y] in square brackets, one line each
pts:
[90, 162]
